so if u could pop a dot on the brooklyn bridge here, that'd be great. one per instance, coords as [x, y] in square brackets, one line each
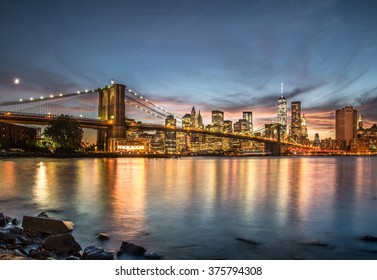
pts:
[117, 113]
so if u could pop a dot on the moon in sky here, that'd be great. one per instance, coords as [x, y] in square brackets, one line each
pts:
[17, 81]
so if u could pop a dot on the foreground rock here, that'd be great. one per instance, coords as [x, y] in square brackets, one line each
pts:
[103, 237]
[152, 255]
[130, 248]
[247, 241]
[97, 253]
[369, 238]
[3, 221]
[63, 244]
[11, 255]
[43, 215]
[45, 225]
[318, 244]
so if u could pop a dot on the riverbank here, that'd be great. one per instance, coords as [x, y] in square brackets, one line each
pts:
[87, 155]
[142, 155]
[44, 238]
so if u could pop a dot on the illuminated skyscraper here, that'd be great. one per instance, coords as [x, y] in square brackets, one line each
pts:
[217, 120]
[199, 121]
[241, 126]
[193, 117]
[170, 136]
[282, 112]
[317, 141]
[186, 121]
[360, 124]
[296, 120]
[248, 116]
[345, 124]
[304, 131]
[228, 126]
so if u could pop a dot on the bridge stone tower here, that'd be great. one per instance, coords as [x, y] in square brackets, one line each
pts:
[273, 147]
[111, 108]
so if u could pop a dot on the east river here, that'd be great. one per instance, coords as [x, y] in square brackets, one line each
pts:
[205, 207]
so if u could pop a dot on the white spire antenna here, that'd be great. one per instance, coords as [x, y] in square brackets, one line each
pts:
[282, 88]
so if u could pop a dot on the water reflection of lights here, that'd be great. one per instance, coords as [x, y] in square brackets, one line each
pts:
[8, 178]
[127, 182]
[40, 188]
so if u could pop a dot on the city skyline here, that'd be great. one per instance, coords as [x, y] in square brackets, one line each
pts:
[230, 57]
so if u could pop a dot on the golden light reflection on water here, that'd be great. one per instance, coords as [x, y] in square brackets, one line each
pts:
[41, 190]
[126, 182]
[88, 192]
[8, 175]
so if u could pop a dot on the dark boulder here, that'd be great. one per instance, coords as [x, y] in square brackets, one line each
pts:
[17, 252]
[16, 230]
[247, 241]
[24, 241]
[37, 240]
[103, 237]
[3, 221]
[97, 253]
[44, 225]
[39, 254]
[15, 221]
[152, 255]
[130, 248]
[62, 244]
[43, 215]
[21, 250]
[32, 247]
[318, 244]
[6, 236]
[8, 220]
[369, 238]
[70, 258]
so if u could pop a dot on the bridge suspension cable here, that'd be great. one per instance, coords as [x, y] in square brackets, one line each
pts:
[45, 99]
[50, 105]
[80, 105]
[159, 108]
[145, 110]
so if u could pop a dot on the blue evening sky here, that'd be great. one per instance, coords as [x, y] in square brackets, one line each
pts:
[226, 55]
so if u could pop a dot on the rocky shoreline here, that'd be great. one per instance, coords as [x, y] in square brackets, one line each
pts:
[44, 238]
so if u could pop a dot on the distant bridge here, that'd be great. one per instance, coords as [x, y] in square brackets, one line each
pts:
[108, 115]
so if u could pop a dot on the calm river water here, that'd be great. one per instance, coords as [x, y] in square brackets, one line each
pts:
[205, 208]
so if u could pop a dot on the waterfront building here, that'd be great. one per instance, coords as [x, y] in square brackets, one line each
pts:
[170, 136]
[193, 118]
[186, 121]
[241, 126]
[140, 145]
[158, 142]
[248, 116]
[366, 139]
[193, 141]
[345, 124]
[317, 141]
[228, 126]
[296, 121]
[11, 134]
[199, 121]
[332, 144]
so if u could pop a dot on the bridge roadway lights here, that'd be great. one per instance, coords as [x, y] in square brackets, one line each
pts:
[111, 108]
